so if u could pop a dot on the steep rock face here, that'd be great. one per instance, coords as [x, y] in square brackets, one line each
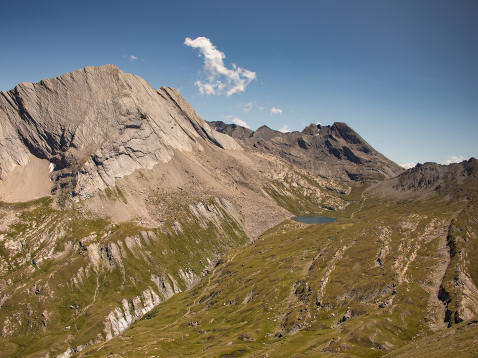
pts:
[95, 125]
[434, 176]
[109, 139]
[331, 151]
[428, 179]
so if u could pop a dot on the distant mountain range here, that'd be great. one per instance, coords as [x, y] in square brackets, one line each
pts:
[330, 151]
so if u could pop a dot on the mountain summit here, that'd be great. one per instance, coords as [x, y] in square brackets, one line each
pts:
[331, 151]
[96, 125]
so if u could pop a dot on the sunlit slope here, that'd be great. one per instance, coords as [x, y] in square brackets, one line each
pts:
[460, 341]
[364, 286]
[67, 281]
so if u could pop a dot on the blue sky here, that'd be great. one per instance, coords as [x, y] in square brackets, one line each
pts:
[402, 73]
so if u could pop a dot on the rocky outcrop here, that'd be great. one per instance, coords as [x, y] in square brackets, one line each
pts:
[96, 125]
[428, 179]
[332, 151]
[433, 176]
[129, 312]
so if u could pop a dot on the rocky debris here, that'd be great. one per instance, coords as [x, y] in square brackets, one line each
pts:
[188, 277]
[166, 287]
[331, 151]
[383, 238]
[299, 187]
[79, 254]
[302, 291]
[435, 229]
[326, 275]
[249, 297]
[468, 300]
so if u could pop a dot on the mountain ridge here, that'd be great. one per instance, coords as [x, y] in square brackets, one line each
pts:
[331, 151]
[97, 124]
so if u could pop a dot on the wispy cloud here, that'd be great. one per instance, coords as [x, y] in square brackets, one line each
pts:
[252, 105]
[133, 58]
[454, 159]
[408, 165]
[220, 79]
[248, 107]
[275, 110]
[285, 129]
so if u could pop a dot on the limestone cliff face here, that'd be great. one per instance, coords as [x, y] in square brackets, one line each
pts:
[96, 125]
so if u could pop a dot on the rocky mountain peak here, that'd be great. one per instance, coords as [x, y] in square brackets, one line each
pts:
[341, 129]
[332, 151]
[266, 133]
[232, 130]
[97, 124]
[312, 129]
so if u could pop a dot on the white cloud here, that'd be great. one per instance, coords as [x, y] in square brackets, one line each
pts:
[275, 110]
[285, 129]
[133, 58]
[454, 159]
[408, 165]
[239, 122]
[220, 79]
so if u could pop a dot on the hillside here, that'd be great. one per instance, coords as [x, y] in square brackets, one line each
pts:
[387, 279]
[130, 227]
[117, 196]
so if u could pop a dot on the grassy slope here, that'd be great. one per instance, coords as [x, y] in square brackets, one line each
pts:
[48, 312]
[457, 342]
[288, 292]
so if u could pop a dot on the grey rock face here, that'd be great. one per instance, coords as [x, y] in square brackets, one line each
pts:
[433, 176]
[97, 124]
[331, 151]
[428, 179]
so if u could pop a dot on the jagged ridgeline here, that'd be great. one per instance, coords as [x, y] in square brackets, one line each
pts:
[335, 151]
[130, 227]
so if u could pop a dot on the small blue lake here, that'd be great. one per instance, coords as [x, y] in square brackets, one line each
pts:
[314, 219]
